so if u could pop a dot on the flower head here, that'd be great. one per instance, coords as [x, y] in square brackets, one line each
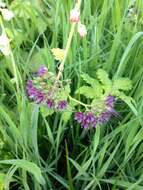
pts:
[42, 71]
[50, 103]
[82, 30]
[62, 104]
[34, 93]
[86, 119]
[79, 117]
[41, 89]
[110, 100]
[75, 15]
[104, 117]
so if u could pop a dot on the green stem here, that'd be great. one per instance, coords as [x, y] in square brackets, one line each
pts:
[61, 67]
[77, 101]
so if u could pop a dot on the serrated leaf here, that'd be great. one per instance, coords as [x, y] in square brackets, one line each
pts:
[122, 84]
[88, 92]
[88, 79]
[104, 78]
[93, 82]
[22, 8]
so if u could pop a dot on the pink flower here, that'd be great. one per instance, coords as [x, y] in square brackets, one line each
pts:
[74, 15]
[82, 30]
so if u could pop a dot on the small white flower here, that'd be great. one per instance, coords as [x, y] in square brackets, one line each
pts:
[4, 45]
[74, 15]
[82, 30]
[7, 14]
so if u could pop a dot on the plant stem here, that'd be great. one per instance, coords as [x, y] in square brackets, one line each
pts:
[61, 67]
[77, 101]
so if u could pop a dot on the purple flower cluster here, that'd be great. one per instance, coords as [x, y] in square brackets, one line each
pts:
[90, 120]
[61, 105]
[110, 100]
[86, 119]
[41, 96]
[35, 94]
[106, 114]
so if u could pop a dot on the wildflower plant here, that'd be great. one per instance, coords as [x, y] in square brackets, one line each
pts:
[102, 93]
[48, 89]
[56, 110]
[43, 90]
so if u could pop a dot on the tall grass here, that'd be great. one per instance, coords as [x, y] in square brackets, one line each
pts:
[43, 151]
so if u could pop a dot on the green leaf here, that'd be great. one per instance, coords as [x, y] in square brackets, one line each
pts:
[88, 92]
[40, 57]
[66, 116]
[88, 79]
[70, 180]
[28, 166]
[93, 82]
[128, 100]
[41, 25]
[45, 111]
[2, 180]
[122, 84]
[104, 79]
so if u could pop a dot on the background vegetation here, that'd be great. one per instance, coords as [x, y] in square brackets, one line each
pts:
[42, 151]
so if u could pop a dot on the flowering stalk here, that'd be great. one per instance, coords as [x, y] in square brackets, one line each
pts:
[61, 67]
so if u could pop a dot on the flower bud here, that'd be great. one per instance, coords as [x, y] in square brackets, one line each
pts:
[42, 71]
[82, 30]
[74, 15]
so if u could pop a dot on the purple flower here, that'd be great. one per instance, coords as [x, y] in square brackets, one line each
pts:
[50, 103]
[42, 70]
[79, 117]
[34, 93]
[40, 97]
[110, 100]
[104, 117]
[91, 119]
[62, 104]
[86, 119]
[31, 90]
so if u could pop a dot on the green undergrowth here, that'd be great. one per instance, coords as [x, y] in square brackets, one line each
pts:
[44, 151]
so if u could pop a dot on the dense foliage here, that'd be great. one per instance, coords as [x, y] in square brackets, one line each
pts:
[81, 129]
